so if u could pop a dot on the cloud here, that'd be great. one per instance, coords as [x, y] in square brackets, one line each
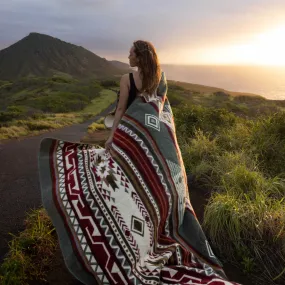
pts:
[108, 27]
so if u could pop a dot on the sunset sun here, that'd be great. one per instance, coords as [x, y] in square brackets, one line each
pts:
[266, 48]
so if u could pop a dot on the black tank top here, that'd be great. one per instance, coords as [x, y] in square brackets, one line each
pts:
[133, 90]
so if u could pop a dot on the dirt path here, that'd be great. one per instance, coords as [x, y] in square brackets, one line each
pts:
[19, 182]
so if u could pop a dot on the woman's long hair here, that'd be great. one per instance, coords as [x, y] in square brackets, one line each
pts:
[149, 65]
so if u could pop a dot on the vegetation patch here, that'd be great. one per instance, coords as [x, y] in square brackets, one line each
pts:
[34, 105]
[97, 105]
[31, 252]
[95, 126]
[241, 162]
[19, 128]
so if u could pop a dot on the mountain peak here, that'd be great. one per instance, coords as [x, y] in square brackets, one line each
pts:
[38, 35]
[35, 33]
[43, 55]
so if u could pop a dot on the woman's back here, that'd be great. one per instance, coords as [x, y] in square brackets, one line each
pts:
[137, 79]
[133, 90]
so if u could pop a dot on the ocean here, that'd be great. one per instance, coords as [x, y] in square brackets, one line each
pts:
[268, 82]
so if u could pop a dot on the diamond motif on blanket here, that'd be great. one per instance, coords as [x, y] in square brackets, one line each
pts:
[152, 121]
[137, 226]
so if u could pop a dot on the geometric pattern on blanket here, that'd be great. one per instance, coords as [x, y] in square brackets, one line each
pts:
[125, 217]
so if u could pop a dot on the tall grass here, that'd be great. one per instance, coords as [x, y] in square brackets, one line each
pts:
[249, 232]
[95, 126]
[31, 252]
[242, 162]
[19, 128]
[49, 121]
[200, 151]
[106, 98]
[268, 143]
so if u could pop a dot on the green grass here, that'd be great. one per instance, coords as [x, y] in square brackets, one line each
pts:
[22, 127]
[52, 94]
[241, 162]
[106, 98]
[244, 229]
[95, 126]
[100, 121]
[31, 252]
[13, 132]
[19, 128]
[243, 105]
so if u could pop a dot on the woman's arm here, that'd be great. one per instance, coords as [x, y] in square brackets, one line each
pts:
[121, 108]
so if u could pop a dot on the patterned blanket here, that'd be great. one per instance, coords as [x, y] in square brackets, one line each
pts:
[125, 217]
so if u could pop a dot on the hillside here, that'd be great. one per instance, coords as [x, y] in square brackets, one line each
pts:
[242, 104]
[208, 89]
[43, 55]
[120, 65]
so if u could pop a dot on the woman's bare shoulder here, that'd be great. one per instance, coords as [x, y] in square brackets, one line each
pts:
[125, 80]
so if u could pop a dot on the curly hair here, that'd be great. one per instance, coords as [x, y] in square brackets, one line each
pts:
[149, 65]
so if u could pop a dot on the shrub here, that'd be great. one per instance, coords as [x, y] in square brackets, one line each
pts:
[249, 99]
[94, 127]
[221, 95]
[198, 153]
[239, 109]
[188, 119]
[62, 79]
[174, 99]
[236, 137]
[225, 163]
[268, 143]
[249, 232]
[109, 83]
[6, 87]
[31, 252]
[60, 102]
[41, 125]
[13, 112]
[4, 82]
[173, 87]
[12, 132]
[100, 121]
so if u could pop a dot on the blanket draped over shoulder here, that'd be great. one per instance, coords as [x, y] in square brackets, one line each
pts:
[124, 216]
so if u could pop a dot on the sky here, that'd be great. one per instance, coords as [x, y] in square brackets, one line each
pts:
[183, 31]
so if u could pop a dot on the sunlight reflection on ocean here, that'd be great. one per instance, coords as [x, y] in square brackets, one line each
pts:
[265, 81]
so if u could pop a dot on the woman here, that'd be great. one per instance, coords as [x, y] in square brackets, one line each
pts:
[123, 216]
[145, 79]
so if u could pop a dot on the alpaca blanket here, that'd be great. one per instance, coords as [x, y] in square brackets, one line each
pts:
[124, 216]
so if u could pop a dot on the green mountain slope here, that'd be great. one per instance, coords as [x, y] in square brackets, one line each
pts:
[43, 55]
[120, 65]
